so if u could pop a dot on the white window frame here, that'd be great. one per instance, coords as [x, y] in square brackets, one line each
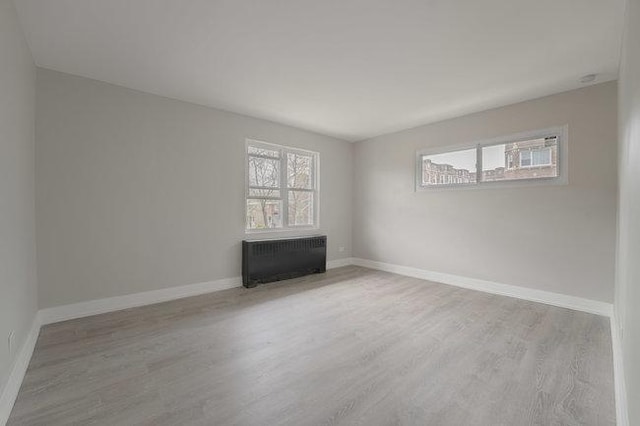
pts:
[560, 132]
[284, 187]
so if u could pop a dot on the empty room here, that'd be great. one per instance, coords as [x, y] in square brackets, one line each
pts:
[296, 212]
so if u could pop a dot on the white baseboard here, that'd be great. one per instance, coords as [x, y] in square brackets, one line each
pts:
[12, 387]
[117, 303]
[533, 295]
[622, 409]
[339, 263]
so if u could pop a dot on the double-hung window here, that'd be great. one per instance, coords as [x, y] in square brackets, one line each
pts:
[281, 187]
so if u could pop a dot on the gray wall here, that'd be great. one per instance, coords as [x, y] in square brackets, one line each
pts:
[138, 192]
[18, 297]
[627, 304]
[554, 238]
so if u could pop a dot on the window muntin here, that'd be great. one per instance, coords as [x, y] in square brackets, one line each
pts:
[530, 156]
[282, 189]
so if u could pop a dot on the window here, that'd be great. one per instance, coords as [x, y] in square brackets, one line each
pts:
[524, 157]
[535, 157]
[281, 189]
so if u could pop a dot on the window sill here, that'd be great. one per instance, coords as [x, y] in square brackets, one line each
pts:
[260, 234]
[509, 184]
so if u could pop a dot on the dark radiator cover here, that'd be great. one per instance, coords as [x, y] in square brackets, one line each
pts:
[265, 261]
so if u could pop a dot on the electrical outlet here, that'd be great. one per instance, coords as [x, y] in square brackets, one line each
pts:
[340, 249]
[10, 341]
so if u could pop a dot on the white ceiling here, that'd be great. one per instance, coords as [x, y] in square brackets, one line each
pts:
[347, 68]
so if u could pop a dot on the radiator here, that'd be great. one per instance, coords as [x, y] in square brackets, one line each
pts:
[265, 261]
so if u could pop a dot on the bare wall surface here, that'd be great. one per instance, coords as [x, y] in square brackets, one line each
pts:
[554, 238]
[628, 271]
[138, 192]
[18, 292]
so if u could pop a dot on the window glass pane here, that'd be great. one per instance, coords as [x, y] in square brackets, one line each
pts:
[541, 157]
[264, 193]
[263, 151]
[264, 214]
[300, 208]
[299, 171]
[450, 168]
[532, 159]
[264, 172]
[494, 162]
[525, 158]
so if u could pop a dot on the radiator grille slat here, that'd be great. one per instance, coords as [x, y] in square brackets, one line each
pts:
[273, 248]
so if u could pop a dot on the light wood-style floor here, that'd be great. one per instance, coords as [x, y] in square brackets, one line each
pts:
[352, 346]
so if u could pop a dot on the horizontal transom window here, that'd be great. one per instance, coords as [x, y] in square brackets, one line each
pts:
[532, 156]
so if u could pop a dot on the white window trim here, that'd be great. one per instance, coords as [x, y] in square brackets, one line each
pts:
[286, 229]
[561, 132]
